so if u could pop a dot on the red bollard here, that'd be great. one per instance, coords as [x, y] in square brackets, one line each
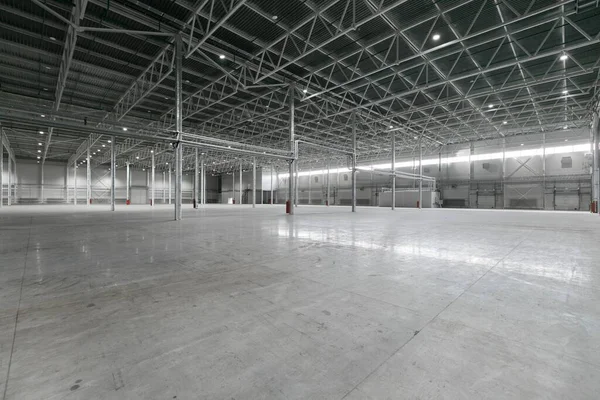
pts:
[90, 201]
[327, 203]
[287, 207]
[127, 202]
[417, 203]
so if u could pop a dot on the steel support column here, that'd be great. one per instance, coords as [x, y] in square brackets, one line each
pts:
[309, 186]
[328, 186]
[113, 172]
[42, 183]
[152, 179]
[596, 158]
[233, 186]
[9, 183]
[296, 183]
[272, 202]
[354, 161]
[544, 171]
[241, 195]
[170, 187]
[196, 199]
[164, 188]
[127, 182]
[291, 96]
[1, 172]
[421, 172]
[88, 178]
[179, 127]
[254, 182]
[394, 170]
[75, 182]
[202, 183]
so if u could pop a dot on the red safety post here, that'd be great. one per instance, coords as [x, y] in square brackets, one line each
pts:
[417, 203]
[127, 202]
[287, 207]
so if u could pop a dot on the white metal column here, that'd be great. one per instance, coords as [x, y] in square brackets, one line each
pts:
[328, 186]
[179, 126]
[88, 178]
[112, 173]
[296, 183]
[152, 179]
[75, 182]
[291, 96]
[241, 183]
[127, 181]
[164, 188]
[202, 183]
[421, 171]
[1, 171]
[41, 183]
[254, 182]
[354, 161]
[9, 182]
[394, 170]
[595, 134]
[170, 189]
[196, 197]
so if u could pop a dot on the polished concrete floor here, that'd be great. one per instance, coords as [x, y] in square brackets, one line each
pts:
[236, 303]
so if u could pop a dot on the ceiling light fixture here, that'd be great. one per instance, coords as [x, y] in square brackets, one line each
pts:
[109, 141]
[103, 145]
[522, 144]
[564, 57]
[491, 106]
[39, 157]
[43, 116]
[41, 132]
[52, 38]
[504, 122]
[275, 17]
[436, 37]
[39, 143]
[125, 129]
[391, 126]
[565, 92]
[137, 157]
[222, 56]
[305, 91]
[39, 151]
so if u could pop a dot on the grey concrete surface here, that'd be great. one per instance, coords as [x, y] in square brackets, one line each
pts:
[241, 303]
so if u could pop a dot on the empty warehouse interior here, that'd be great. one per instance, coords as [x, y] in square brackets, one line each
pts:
[299, 199]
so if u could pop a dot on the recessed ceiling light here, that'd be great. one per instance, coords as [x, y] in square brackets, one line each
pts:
[103, 145]
[504, 122]
[41, 132]
[436, 37]
[43, 116]
[39, 151]
[39, 143]
[39, 157]
[109, 141]
[222, 56]
[564, 57]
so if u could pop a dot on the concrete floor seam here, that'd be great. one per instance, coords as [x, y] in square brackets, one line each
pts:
[433, 319]
[12, 347]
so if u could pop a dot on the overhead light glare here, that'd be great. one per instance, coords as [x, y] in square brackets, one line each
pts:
[436, 37]
[109, 141]
[222, 56]
[43, 115]
[305, 91]
[565, 92]
[39, 143]
[491, 106]
[125, 129]
[504, 122]
[39, 151]
[564, 57]
[41, 132]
